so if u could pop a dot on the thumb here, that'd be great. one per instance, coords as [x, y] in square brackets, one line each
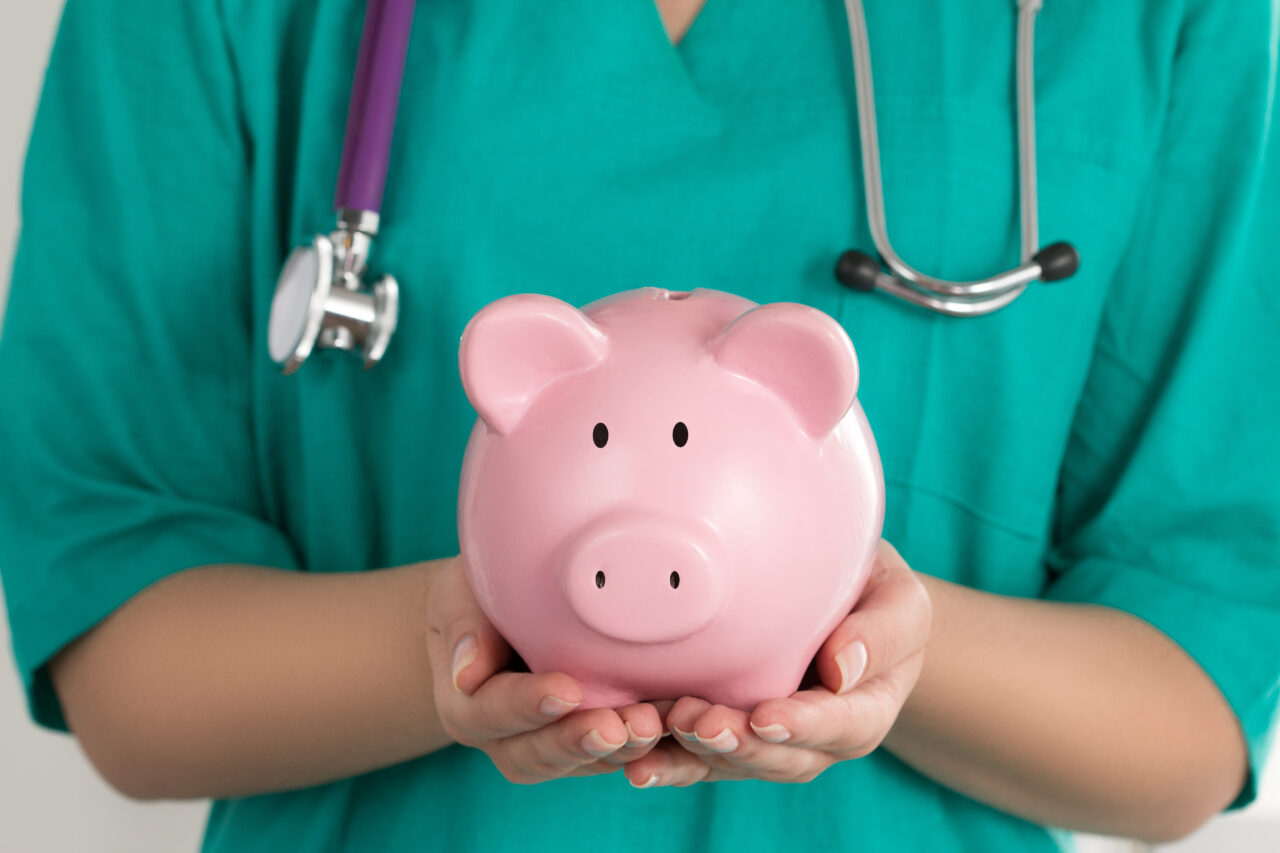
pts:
[889, 624]
[463, 645]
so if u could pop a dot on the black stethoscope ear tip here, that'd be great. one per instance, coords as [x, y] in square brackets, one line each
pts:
[857, 271]
[1057, 261]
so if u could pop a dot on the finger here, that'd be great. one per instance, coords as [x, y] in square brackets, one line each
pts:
[597, 768]
[579, 740]
[663, 707]
[722, 730]
[727, 733]
[644, 727]
[509, 703]
[683, 718]
[669, 764]
[849, 725]
[889, 624]
[463, 645]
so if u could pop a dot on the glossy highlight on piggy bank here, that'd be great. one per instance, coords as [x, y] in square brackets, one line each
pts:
[666, 494]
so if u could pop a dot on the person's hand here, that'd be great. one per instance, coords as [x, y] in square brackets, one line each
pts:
[867, 667]
[527, 724]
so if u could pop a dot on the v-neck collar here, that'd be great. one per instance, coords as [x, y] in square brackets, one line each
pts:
[673, 69]
[692, 28]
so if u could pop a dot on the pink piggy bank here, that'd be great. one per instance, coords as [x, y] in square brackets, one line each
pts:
[666, 494]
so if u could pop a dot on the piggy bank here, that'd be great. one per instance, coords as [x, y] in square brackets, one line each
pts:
[666, 494]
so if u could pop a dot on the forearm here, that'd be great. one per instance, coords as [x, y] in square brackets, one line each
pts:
[235, 680]
[1069, 715]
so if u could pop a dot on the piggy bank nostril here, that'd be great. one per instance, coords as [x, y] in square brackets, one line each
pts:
[599, 580]
[675, 580]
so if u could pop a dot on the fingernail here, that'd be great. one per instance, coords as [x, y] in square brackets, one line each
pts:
[554, 706]
[724, 742]
[852, 660]
[593, 744]
[464, 654]
[689, 736]
[776, 733]
[634, 739]
[647, 783]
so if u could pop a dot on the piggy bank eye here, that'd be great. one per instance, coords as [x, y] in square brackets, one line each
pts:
[600, 435]
[680, 434]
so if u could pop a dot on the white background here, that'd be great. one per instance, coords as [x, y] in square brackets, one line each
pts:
[50, 798]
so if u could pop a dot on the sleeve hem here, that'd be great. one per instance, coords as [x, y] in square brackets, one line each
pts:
[50, 616]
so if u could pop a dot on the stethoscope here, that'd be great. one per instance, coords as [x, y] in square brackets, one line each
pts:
[322, 300]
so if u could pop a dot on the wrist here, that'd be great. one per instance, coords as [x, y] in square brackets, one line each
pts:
[424, 575]
[912, 718]
[422, 579]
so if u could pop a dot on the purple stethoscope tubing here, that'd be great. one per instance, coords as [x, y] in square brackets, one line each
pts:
[322, 300]
[375, 99]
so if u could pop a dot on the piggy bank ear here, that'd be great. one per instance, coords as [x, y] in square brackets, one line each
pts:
[516, 346]
[797, 352]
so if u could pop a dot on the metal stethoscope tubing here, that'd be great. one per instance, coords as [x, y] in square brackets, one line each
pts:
[958, 299]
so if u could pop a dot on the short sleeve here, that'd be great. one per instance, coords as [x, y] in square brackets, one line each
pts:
[1169, 501]
[126, 448]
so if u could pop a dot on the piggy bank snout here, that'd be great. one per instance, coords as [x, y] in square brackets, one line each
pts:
[644, 582]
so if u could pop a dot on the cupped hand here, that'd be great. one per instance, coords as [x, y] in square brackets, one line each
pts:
[526, 723]
[867, 668]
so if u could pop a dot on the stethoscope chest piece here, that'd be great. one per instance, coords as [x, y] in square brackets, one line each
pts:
[321, 298]
[321, 301]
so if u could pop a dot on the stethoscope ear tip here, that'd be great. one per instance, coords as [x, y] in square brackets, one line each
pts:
[1057, 261]
[857, 271]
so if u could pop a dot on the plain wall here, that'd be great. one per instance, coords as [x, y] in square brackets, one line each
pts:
[50, 798]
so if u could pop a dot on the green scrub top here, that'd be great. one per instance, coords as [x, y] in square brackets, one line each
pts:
[1111, 439]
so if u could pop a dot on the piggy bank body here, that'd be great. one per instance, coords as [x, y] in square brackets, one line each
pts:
[666, 494]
